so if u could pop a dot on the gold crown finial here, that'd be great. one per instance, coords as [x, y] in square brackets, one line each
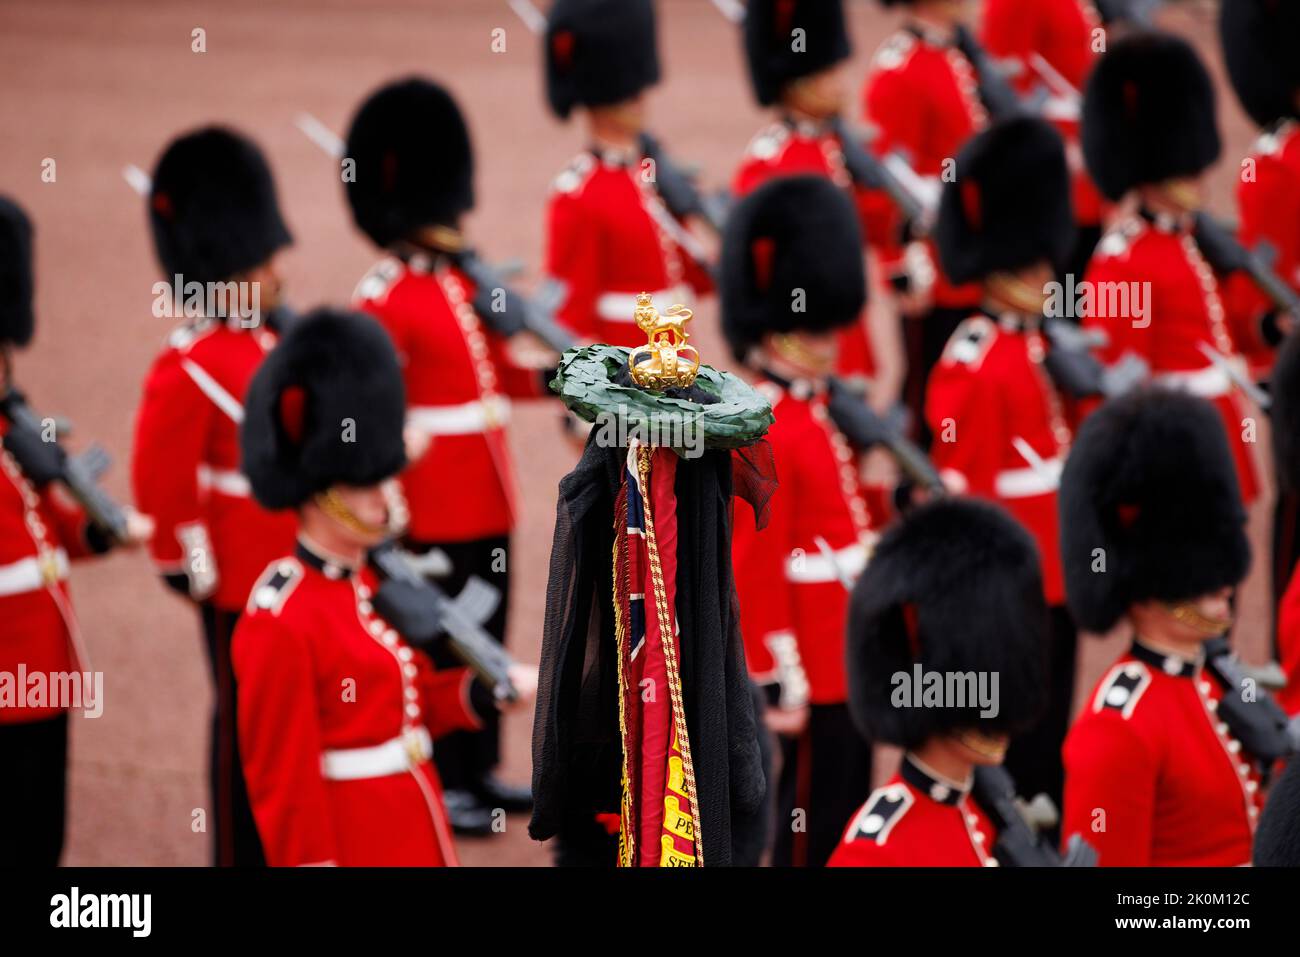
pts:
[666, 360]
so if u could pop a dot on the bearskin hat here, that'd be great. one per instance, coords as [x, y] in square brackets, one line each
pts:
[1284, 385]
[17, 285]
[1148, 114]
[1277, 842]
[213, 207]
[414, 162]
[1150, 507]
[791, 259]
[325, 408]
[955, 588]
[1260, 39]
[1009, 205]
[599, 52]
[777, 55]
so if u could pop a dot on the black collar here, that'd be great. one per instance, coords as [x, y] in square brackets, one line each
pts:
[802, 389]
[326, 565]
[619, 159]
[1014, 321]
[1165, 223]
[929, 784]
[1174, 665]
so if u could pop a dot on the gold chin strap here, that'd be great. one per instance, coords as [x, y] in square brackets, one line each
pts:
[1017, 293]
[982, 744]
[1188, 614]
[442, 238]
[1183, 194]
[332, 505]
[794, 351]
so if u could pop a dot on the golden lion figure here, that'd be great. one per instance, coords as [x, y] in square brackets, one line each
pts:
[672, 362]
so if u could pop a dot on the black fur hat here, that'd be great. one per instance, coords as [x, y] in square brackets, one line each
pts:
[1284, 385]
[414, 161]
[1277, 842]
[956, 588]
[213, 207]
[1150, 507]
[327, 407]
[17, 284]
[599, 52]
[1260, 39]
[1009, 205]
[776, 55]
[791, 259]
[1148, 114]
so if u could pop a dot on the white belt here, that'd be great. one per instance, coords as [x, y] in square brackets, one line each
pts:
[469, 418]
[226, 481]
[31, 574]
[1032, 480]
[621, 306]
[814, 567]
[1208, 383]
[395, 756]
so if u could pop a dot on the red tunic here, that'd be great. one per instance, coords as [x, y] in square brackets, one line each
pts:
[1062, 33]
[1288, 645]
[607, 239]
[39, 533]
[999, 430]
[922, 99]
[787, 148]
[792, 600]
[1152, 777]
[917, 820]
[1182, 310]
[459, 378]
[185, 470]
[1269, 201]
[321, 679]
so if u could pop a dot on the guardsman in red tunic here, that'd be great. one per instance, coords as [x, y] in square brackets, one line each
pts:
[41, 530]
[922, 99]
[792, 277]
[1154, 538]
[609, 235]
[1052, 45]
[996, 417]
[215, 220]
[337, 713]
[1259, 43]
[803, 82]
[1149, 132]
[414, 182]
[953, 589]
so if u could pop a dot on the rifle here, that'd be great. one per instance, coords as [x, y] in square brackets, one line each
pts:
[889, 175]
[1018, 843]
[421, 611]
[78, 473]
[508, 311]
[999, 98]
[863, 428]
[1261, 725]
[678, 191]
[1137, 13]
[1227, 254]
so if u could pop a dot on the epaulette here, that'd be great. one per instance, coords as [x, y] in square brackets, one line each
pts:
[895, 51]
[769, 142]
[883, 810]
[573, 176]
[275, 586]
[971, 341]
[1122, 688]
[187, 333]
[1117, 240]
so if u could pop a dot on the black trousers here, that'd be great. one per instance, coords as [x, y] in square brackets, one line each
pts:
[464, 758]
[34, 792]
[925, 339]
[1286, 549]
[235, 842]
[825, 776]
[1034, 758]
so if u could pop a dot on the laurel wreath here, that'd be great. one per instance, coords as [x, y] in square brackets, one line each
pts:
[585, 382]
